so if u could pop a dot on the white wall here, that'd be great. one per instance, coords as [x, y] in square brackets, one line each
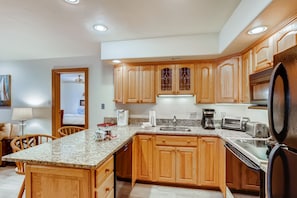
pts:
[71, 94]
[31, 87]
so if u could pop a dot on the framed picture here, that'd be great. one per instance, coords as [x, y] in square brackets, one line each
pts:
[82, 103]
[5, 90]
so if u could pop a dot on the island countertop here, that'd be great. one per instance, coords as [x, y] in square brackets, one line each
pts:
[81, 150]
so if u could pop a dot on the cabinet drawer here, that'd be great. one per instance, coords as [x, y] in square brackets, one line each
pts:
[106, 187]
[104, 171]
[176, 140]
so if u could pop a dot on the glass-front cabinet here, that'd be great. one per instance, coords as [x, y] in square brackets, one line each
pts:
[175, 79]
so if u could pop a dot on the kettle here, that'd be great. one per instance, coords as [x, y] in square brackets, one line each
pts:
[122, 117]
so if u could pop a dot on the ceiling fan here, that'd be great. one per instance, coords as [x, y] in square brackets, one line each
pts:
[79, 79]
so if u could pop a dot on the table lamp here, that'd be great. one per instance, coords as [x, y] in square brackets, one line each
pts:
[22, 115]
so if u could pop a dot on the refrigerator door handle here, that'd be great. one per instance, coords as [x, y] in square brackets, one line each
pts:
[279, 72]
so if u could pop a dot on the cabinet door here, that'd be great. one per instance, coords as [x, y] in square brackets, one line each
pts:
[208, 161]
[118, 83]
[233, 171]
[285, 38]
[185, 79]
[204, 83]
[131, 84]
[227, 81]
[147, 84]
[165, 164]
[145, 154]
[186, 165]
[250, 179]
[166, 79]
[245, 72]
[263, 55]
[222, 167]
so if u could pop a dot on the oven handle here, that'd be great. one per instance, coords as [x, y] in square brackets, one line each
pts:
[249, 163]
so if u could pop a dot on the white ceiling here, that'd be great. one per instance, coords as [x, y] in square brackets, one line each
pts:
[38, 29]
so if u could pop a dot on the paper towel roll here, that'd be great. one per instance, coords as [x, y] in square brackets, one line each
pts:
[152, 117]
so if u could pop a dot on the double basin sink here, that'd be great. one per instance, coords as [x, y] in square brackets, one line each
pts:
[174, 128]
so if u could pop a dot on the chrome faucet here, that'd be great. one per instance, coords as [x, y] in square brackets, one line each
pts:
[174, 121]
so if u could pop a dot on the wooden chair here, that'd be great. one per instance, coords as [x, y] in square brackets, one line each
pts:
[24, 142]
[68, 130]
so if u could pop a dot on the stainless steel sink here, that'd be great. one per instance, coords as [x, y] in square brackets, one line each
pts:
[174, 128]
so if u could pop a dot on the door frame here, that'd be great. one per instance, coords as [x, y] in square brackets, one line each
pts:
[56, 96]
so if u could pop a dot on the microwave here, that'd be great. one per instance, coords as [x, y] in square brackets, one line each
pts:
[259, 87]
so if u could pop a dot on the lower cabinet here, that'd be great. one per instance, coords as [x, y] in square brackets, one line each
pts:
[239, 176]
[145, 157]
[208, 161]
[53, 181]
[176, 159]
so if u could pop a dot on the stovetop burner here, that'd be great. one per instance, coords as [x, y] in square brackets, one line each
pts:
[260, 148]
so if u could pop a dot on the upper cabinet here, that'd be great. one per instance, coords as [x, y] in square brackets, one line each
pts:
[285, 38]
[227, 73]
[263, 55]
[204, 83]
[244, 91]
[118, 83]
[134, 84]
[175, 79]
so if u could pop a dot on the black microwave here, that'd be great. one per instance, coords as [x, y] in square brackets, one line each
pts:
[259, 87]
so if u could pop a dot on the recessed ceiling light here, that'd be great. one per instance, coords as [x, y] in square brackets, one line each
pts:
[257, 30]
[72, 1]
[100, 27]
[116, 61]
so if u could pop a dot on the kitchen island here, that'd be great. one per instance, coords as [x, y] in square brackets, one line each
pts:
[79, 166]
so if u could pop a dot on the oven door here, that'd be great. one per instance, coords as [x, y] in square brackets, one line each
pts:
[243, 177]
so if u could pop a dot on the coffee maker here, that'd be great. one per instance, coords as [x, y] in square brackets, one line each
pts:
[207, 121]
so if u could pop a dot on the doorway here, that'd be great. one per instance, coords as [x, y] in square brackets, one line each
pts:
[80, 76]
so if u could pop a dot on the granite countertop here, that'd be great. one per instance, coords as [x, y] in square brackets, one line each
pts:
[81, 150]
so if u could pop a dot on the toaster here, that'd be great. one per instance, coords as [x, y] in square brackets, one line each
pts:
[234, 123]
[257, 129]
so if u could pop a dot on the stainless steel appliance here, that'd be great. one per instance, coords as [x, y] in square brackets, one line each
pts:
[256, 129]
[282, 114]
[123, 171]
[244, 177]
[234, 123]
[207, 121]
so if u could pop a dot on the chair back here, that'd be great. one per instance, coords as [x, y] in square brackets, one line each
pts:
[28, 141]
[68, 130]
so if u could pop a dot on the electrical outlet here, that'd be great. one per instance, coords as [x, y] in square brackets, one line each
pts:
[102, 106]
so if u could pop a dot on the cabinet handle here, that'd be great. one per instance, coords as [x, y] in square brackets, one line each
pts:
[164, 141]
[188, 141]
[107, 189]
[106, 170]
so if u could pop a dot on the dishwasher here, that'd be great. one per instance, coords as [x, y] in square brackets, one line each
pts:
[123, 171]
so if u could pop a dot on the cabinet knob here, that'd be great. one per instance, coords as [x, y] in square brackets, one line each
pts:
[107, 189]
[164, 141]
[188, 141]
[106, 170]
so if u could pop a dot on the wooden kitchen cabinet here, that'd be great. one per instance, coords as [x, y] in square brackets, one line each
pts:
[227, 81]
[250, 179]
[145, 157]
[263, 55]
[204, 83]
[285, 38]
[175, 79]
[222, 166]
[138, 84]
[118, 83]
[165, 164]
[244, 91]
[208, 161]
[176, 159]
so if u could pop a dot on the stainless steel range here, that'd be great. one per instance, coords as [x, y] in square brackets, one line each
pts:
[244, 158]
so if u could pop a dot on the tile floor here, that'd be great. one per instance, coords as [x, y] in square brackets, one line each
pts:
[11, 183]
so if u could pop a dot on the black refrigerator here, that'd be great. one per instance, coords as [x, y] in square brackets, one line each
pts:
[282, 114]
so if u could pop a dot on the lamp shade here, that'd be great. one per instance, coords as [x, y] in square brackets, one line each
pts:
[22, 114]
